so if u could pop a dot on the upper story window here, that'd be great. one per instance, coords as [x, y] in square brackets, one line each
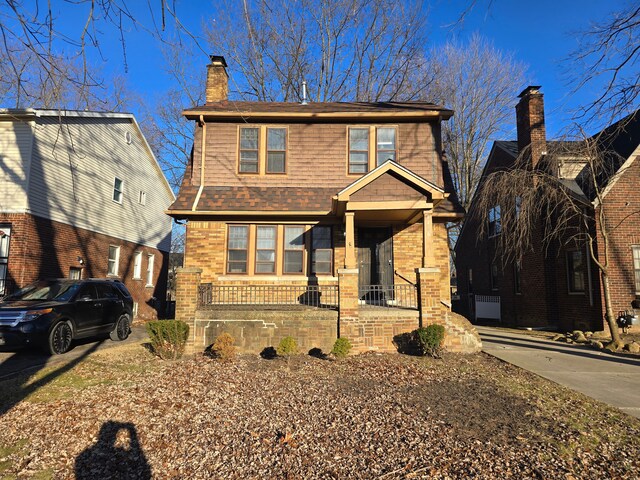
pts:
[495, 223]
[142, 197]
[117, 190]
[263, 150]
[385, 145]
[249, 137]
[358, 150]
[276, 150]
[575, 271]
[370, 147]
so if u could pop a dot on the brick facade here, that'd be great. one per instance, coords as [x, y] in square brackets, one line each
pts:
[41, 248]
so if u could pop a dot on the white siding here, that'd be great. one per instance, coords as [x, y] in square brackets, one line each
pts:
[75, 161]
[16, 140]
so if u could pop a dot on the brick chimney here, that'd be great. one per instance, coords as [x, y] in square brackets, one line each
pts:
[217, 89]
[530, 123]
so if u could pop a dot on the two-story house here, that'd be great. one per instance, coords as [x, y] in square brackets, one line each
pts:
[559, 286]
[313, 220]
[82, 196]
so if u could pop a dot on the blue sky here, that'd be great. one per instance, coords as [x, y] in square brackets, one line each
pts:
[537, 33]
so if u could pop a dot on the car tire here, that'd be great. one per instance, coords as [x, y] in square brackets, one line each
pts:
[60, 338]
[121, 330]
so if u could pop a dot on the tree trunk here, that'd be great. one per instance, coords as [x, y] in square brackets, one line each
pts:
[610, 318]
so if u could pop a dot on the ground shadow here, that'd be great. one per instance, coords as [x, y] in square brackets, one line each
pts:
[117, 454]
[576, 350]
[269, 353]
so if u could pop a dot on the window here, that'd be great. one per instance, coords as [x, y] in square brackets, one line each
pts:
[276, 150]
[266, 249]
[249, 149]
[114, 259]
[5, 236]
[293, 249]
[321, 251]
[386, 145]
[494, 276]
[495, 225]
[150, 260]
[358, 150]
[237, 248]
[117, 190]
[516, 277]
[636, 266]
[142, 198]
[518, 206]
[137, 265]
[575, 274]
[75, 273]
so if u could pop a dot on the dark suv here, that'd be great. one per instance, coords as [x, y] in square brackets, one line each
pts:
[53, 313]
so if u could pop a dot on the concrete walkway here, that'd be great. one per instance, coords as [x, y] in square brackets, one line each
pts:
[612, 379]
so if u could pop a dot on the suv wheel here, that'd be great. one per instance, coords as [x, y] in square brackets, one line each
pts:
[121, 330]
[60, 338]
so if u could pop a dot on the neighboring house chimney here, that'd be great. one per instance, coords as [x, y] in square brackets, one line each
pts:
[530, 122]
[217, 80]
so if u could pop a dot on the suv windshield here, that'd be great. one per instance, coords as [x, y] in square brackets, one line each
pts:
[47, 290]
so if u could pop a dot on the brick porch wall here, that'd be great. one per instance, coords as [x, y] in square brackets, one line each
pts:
[42, 248]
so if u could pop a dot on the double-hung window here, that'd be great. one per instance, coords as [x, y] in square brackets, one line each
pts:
[249, 149]
[321, 251]
[150, 261]
[636, 266]
[293, 249]
[117, 190]
[386, 145]
[575, 271]
[266, 248]
[358, 150]
[495, 222]
[5, 236]
[276, 150]
[237, 248]
[137, 265]
[114, 260]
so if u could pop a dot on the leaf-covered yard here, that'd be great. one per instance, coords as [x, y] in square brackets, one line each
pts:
[121, 413]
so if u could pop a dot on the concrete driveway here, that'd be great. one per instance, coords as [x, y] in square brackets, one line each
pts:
[34, 359]
[612, 379]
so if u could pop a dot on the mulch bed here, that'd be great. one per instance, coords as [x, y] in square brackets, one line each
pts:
[369, 416]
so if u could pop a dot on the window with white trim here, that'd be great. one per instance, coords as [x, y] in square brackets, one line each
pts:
[137, 265]
[150, 260]
[114, 260]
[117, 190]
[5, 237]
[575, 271]
[142, 197]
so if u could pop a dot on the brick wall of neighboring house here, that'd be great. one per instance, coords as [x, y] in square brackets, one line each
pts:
[622, 217]
[417, 150]
[42, 248]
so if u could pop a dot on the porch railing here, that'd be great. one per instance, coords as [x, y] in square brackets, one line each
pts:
[390, 296]
[319, 296]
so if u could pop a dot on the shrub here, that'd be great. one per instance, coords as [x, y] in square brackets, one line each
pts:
[429, 339]
[341, 347]
[223, 347]
[168, 338]
[288, 346]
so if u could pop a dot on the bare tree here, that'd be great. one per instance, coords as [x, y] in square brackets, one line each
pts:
[478, 82]
[362, 50]
[607, 66]
[541, 208]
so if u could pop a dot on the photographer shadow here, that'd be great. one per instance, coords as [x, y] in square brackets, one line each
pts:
[116, 455]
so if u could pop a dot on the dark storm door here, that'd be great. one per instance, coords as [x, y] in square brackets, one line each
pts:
[375, 263]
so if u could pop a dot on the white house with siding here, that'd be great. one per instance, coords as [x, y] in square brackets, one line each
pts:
[81, 194]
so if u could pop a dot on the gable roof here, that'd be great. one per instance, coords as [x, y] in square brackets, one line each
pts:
[319, 111]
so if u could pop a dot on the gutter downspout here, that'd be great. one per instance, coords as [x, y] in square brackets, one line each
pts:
[202, 156]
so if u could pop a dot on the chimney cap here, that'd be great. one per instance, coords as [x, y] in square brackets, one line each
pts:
[218, 59]
[531, 89]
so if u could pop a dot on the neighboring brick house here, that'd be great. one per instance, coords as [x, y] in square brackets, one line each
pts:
[560, 287]
[82, 196]
[336, 208]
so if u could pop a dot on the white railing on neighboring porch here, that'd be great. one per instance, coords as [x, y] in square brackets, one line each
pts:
[488, 306]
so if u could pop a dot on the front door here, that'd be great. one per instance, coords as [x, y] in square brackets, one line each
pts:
[375, 262]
